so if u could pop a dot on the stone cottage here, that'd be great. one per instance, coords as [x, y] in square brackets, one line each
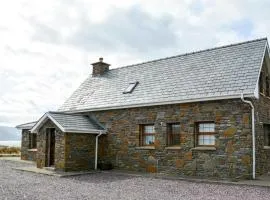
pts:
[204, 114]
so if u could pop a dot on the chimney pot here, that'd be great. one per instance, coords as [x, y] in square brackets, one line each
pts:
[100, 59]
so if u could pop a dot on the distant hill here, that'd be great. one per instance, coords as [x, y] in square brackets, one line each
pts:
[9, 133]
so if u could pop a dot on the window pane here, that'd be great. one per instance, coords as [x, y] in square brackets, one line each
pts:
[34, 141]
[261, 82]
[30, 141]
[130, 87]
[174, 139]
[266, 134]
[200, 139]
[206, 140]
[149, 139]
[147, 134]
[173, 132]
[149, 129]
[206, 127]
[175, 128]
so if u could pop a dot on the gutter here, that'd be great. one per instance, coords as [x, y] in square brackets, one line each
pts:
[253, 136]
[96, 150]
[212, 98]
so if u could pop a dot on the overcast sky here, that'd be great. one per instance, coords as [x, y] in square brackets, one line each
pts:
[47, 46]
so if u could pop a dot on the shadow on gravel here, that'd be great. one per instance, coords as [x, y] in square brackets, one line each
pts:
[100, 178]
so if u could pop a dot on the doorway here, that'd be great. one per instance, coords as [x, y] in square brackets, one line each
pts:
[50, 147]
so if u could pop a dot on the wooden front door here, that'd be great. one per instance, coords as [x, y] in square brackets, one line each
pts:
[50, 146]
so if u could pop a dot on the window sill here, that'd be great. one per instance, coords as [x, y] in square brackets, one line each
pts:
[204, 148]
[173, 148]
[31, 149]
[266, 147]
[145, 147]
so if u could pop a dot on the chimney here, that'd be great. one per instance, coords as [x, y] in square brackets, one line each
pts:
[99, 68]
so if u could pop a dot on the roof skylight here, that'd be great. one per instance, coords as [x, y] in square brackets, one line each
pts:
[130, 87]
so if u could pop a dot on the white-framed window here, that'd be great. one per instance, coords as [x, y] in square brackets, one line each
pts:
[147, 136]
[205, 134]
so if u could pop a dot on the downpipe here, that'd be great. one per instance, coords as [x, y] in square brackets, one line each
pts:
[96, 151]
[253, 136]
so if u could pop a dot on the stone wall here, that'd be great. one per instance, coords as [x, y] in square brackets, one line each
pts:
[73, 151]
[79, 152]
[26, 153]
[262, 116]
[231, 159]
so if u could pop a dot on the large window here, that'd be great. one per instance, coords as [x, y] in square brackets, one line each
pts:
[32, 140]
[266, 128]
[206, 134]
[147, 134]
[173, 132]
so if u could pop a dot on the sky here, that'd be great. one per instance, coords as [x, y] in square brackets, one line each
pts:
[47, 46]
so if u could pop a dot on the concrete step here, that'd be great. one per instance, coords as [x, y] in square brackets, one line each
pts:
[52, 168]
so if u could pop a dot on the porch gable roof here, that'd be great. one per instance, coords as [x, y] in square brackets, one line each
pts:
[28, 125]
[71, 123]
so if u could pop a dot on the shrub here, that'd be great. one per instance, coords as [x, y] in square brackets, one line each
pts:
[10, 150]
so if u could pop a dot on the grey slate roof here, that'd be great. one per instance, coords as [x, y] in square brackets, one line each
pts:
[28, 125]
[217, 73]
[70, 123]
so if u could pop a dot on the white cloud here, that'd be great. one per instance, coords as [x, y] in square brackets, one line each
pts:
[47, 46]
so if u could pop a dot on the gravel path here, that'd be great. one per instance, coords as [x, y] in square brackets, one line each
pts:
[24, 185]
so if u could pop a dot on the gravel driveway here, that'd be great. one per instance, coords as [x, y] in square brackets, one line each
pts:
[24, 185]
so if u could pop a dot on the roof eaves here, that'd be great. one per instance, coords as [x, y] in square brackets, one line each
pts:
[162, 103]
[89, 131]
[26, 125]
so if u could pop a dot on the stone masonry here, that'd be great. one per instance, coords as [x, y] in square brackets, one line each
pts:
[231, 158]
[26, 152]
[262, 116]
[59, 146]
[73, 151]
[79, 151]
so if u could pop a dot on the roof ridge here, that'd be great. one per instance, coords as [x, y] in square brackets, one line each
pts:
[64, 113]
[193, 52]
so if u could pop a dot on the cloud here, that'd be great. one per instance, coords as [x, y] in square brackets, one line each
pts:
[44, 33]
[132, 30]
[47, 46]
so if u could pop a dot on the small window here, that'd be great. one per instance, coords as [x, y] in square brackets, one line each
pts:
[266, 128]
[261, 83]
[32, 140]
[206, 134]
[147, 135]
[267, 86]
[173, 132]
[131, 87]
